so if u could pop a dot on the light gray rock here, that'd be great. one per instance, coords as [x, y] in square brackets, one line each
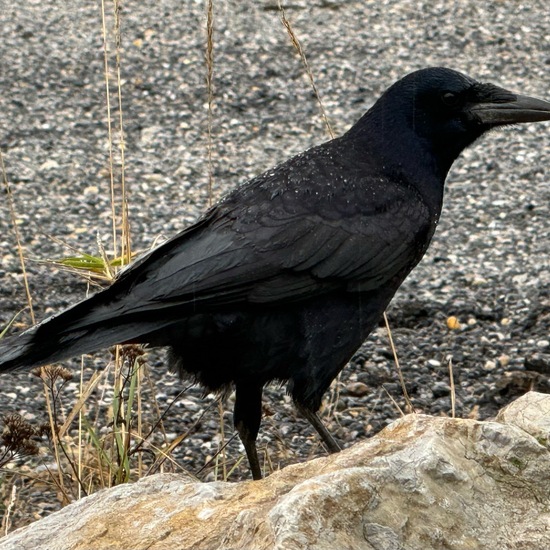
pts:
[422, 483]
[531, 413]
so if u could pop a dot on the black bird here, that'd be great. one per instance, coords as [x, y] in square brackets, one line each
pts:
[288, 274]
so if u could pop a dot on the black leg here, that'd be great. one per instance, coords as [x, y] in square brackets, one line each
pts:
[315, 421]
[247, 416]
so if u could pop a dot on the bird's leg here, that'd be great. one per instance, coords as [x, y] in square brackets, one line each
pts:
[321, 429]
[247, 416]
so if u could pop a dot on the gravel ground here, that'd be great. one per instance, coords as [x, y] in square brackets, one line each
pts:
[488, 264]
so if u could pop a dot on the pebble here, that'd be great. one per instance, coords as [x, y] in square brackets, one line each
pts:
[440, 389]
[453, 323]
[358, 389]
[490, 365]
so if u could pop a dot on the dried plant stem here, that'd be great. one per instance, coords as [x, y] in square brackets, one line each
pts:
[11, 207]
[109, 125]
[50, 406]
[119, 417]
[210, 91]
[217, 453]
[139, 412]
[6, 520]
[80, 462]
[301, 53]
[395, 404]
[222, 444]
[126, 247]
[409, 406]
[453, 389]
[182, 437]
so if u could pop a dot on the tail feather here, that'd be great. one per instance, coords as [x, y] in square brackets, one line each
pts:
[76, 332]
[12, 349]
[35, 348]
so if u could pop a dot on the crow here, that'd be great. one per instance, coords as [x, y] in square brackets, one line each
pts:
[286, 276]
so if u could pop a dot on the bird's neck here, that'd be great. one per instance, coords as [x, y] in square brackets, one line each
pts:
[404, 158]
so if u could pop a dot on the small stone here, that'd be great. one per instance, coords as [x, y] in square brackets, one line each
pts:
[538, 362]
[453, 323]
[358, 389]
[490, 365]
[440, 389]
[49, 165]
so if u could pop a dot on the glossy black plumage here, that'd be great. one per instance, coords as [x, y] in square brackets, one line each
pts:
[285, 278]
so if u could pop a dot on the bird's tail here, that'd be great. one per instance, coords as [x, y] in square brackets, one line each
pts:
[15, 352]
[86, 327]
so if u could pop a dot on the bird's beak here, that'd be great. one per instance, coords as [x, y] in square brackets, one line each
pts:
[520, 108]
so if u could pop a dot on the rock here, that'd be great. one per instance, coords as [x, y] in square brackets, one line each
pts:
[422, 483]
[531, 413]
[358, 389]
[538, 362]
[440, 389]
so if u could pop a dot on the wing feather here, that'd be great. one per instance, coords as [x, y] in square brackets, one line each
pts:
[305, 239]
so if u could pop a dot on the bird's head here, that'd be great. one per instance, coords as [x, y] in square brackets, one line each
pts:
[445, 111]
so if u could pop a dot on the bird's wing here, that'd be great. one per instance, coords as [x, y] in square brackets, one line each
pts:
[269, 251]
[358, 252]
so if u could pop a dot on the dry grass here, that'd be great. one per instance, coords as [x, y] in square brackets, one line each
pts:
[13, 216]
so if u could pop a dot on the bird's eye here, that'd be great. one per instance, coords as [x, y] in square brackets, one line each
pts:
[450, 99]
